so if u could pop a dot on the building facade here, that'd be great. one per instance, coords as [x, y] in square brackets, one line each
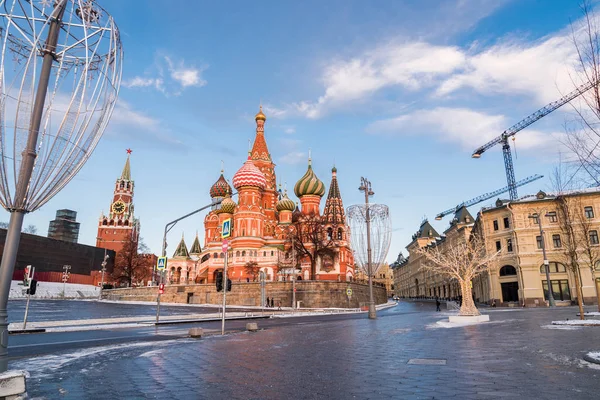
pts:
[264, 219]
[64, 227]
[512, 228]
[119, 225]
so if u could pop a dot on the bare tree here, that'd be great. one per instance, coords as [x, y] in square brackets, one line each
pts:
[311, 238]
[590, 250]
[251, 268]
[463, 260]
[31, 229]
[132, 263]
[573, 236]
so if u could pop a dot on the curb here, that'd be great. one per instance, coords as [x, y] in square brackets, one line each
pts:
[192, 321]
[26, 331]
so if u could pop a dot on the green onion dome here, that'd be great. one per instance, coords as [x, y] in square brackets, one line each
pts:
[309, 184]
[285, 204]
[227, 206]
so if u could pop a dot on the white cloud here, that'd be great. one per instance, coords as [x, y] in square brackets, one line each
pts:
[463, 126]
[180, 77]
[185, 75]
[290, 130]
[293, 157]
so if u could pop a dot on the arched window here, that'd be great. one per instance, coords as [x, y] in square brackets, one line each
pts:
[122, 184]
[272, 253]
[126, 223]
[128, 185]
[340, 234]
[264, 253]
[508, 270]
[222, 255]
[119, 223]
[112, 222]
[244, 253]
[237, 253]
[329, 233]
[205, 258]
[105, 222]
[553, 267]
[215, 255]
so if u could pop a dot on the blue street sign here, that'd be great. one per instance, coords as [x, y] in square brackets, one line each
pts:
[161, 263]
[226, 228]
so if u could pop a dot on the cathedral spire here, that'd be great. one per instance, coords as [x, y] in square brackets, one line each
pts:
[334, 208]
[126, 174]
[260, 151]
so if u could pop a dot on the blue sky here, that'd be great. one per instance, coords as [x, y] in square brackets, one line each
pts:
[401, 92]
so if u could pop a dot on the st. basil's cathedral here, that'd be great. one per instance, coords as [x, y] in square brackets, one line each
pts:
[263, 218]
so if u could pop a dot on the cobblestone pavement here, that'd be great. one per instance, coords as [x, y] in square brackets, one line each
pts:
[513, 356]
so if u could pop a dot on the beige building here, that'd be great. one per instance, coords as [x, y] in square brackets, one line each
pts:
[384, 277]
[518, 278]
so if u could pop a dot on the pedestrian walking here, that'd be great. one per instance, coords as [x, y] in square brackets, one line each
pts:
[268, 302]
[279, 305]
[272, 302]
[437, 304]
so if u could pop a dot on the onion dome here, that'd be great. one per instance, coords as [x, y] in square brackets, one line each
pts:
[227, 206]
[260, 115]
[309, 184]
[296, 214]
[285, 204]
[249, 175]
[220, 188]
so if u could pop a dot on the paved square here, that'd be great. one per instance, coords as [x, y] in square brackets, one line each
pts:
[515, 355]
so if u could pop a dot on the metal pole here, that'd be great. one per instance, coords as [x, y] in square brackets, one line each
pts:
[26, 311]
[103, 270]
[551, 302]
[13, 236]
[224, 293]
[366, 186]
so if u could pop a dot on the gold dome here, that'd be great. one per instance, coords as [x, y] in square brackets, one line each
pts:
[260, 115]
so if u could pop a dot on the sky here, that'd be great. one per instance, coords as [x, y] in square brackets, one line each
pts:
[399, 92]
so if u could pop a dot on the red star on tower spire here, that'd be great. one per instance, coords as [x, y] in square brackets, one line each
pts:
[128, 151]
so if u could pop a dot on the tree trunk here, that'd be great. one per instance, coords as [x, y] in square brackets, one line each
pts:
[597, 284]
[579, 294]
[468, 305]
[313, 269]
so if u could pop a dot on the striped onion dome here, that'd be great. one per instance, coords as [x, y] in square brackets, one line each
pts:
[285, 204]
[309, 184]
[220, 188]
[227, 206]
[249, 175]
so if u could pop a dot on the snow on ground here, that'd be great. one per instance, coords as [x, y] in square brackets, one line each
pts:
[595, 355]
[591, 314]
[578, 322]
[562, 327]
[446, 324]
[54, 290]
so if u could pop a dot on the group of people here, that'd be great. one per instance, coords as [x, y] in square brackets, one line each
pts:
[271, 303]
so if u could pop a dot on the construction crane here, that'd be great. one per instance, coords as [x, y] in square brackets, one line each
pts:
[513, 130]
[487, 196]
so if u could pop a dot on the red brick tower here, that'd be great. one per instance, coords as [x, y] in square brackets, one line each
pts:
[119, 225]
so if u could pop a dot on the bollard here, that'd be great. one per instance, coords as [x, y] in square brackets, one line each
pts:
[196, 332]
[252, 326]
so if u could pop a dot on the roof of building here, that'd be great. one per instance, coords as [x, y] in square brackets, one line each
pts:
[181, 250]
[285, 204]
[334, 208]
[309, 184]
[543, 196]
[126, 174]
[227, 206]
[249, 175]
[220, 188]
[196, 248]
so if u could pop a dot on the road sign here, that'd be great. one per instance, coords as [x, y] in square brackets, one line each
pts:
[226, 228]
[161, 288]
[348, 292]
[225, 246]
[161, 263]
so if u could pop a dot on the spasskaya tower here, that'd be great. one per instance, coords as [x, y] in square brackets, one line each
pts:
[120, 225]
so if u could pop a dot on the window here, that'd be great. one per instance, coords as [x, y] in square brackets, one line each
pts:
[244, 253]
[340, 233]
[506, 223]
[237, 253]
[329, 233]
[508, 270]
[560, 289]
[535, 219]
[271, 253]
[589, 212]
[498, 245]
[552, 216]
[538, 239]
[509, 247]
[264, 253]
[553, 267]
[556, 241]
[495, 225]
[593, 237]
[215, 255]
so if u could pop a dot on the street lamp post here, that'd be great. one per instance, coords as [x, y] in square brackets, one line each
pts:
[365, 186]
[538, 217]
[103, 271]
[168, 227]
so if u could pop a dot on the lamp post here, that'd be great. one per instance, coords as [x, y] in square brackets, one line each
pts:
[537, 217]
[365, 186]
[103, 271]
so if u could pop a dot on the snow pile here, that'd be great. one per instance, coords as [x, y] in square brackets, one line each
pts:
[595, 355]
[561, 327]
[578, 322]
[54, 290]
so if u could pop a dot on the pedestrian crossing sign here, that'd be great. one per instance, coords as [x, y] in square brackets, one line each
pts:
[161, 263]
[226, 228]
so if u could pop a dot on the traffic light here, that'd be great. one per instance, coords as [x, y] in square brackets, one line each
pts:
[228, 285]
[26, 273]
[32, 287]
[219, 281]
